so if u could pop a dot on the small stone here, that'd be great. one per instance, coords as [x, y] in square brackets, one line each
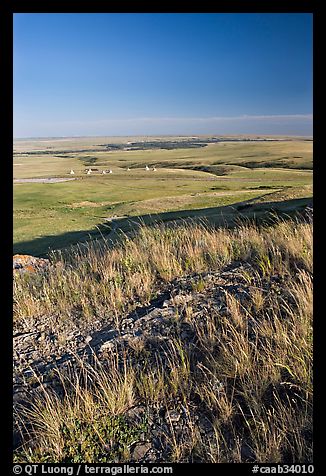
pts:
[107, 346]
[172, 415]
[139, 450]
[28, 373]
[135, 413]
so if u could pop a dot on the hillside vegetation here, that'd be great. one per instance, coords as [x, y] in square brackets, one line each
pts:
[185, 343]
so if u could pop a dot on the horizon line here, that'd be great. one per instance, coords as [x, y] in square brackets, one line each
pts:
[162, 135]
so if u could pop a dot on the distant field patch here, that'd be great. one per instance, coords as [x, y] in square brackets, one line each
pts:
[87, 204]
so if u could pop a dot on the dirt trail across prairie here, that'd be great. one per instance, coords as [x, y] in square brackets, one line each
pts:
[43, 180]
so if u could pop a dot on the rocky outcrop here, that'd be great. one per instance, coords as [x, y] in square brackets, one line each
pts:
[28, 263]
[39, 347]
[39, 350]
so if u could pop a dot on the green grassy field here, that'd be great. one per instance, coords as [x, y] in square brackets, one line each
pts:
[208, 181]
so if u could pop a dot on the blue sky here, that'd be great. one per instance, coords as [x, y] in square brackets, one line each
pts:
[152, 74]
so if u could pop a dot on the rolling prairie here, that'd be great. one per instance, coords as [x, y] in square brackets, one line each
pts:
[194, 177]
[189, 340]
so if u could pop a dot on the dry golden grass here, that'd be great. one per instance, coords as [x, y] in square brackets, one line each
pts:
[249, 373]
[98, 279]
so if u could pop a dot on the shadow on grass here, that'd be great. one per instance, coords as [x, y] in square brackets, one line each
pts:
[229, 216]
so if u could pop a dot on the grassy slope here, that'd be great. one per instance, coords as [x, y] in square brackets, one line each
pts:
[258, 352]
